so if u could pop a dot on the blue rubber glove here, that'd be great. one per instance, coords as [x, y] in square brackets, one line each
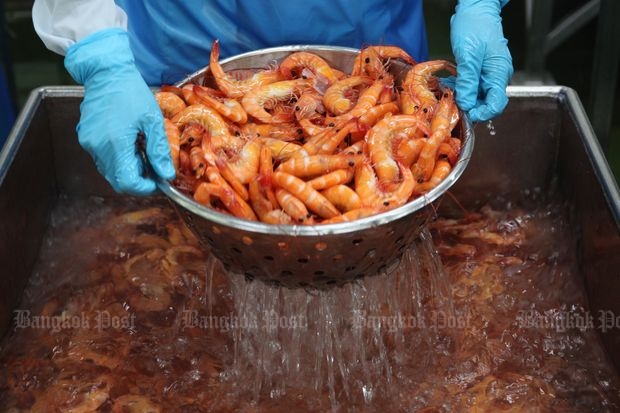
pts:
[117, 106]
[484, 63]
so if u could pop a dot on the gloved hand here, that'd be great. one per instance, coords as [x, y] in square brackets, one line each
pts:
[484, 63]
[117, 105]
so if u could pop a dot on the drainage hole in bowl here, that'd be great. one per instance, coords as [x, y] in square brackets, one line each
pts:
[286, 273]
[303, 260]
[320, 246]
[268, 258]
[357, 241]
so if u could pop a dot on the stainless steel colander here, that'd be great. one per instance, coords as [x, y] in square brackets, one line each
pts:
[311, 256]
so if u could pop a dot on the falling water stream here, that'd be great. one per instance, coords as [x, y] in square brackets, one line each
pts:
[474, 318]
[350, 342]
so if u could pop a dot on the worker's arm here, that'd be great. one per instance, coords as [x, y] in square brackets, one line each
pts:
[484, 63]
[118, 104]
[62, 23]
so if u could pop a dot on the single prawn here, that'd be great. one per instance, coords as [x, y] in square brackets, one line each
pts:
[277, 217]
[375, 113]
[282, 131]
[198, 162]
[294, 207]
[213, 123]
[309, 105]
[293, 65]
[441, 171]
[444, 120]
[259, 201]
[419, 87]
[352, 215]
[231, 200]
[281, 150]
[230, 108]
[320, 164]
[337, 97]
[232, 87]
[372, 60]
[382, 140]
[342, 197]
[192, 134]
[337, 177]
[169, 103]
[174, 137]
[258, 100]
[374, 194]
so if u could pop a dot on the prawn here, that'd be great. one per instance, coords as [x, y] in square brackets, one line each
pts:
[174, 137]
[441, 171]
[418, 95]
[375, 113]
[441, 128]
[293, 207]
[244, 164]
[382, 139]
[372, 60]
[318, 164]
[293, 65]
[281, 131]
[278, 217]
[231, 109]
[337, 177]
[198, 161]
[315, 202]
[342, 197]
[309, 105]
[258, 100]
[335, 99]
[169, 103]
[234, 88]
[373, 195]
[260, 203]
[281, 150]
[219, 188]
[352, 215]
[213, 123]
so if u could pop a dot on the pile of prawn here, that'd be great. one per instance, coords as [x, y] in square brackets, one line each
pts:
[304, 143]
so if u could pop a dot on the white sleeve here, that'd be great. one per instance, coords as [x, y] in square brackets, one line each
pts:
[61, 23]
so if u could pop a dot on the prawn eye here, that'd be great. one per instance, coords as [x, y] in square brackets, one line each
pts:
[367, 60]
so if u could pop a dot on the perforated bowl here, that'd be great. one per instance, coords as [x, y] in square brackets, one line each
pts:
[317, 256]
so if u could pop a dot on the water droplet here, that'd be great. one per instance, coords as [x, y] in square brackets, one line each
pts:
[491, 128]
